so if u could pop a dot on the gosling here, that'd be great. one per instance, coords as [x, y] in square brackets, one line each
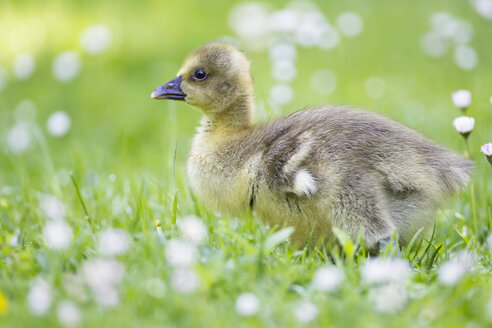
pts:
[315, 169]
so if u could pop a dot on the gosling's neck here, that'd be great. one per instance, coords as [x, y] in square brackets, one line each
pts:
[236, 117]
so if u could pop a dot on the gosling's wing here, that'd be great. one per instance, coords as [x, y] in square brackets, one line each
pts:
[300, 146]
[357, 141]
[289, 143]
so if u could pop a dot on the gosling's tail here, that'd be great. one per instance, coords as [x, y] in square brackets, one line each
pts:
[454, 170]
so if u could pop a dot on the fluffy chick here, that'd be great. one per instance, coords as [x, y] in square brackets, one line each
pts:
[315, 169]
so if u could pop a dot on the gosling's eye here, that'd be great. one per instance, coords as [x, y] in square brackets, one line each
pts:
[199, 74]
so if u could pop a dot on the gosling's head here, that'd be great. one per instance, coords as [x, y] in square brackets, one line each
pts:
[215, 78]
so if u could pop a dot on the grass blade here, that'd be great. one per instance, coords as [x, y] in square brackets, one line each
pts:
[174, 209]
[81, 200]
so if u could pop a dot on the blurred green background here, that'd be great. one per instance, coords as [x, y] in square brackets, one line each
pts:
[115, 123]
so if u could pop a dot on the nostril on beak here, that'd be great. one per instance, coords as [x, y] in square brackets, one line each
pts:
[169, 90]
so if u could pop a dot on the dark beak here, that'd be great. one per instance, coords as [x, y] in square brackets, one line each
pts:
[170, 90]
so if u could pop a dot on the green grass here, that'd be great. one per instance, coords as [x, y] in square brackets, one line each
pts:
[116, 129]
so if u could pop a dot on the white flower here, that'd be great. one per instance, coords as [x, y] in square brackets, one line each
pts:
[483, 8]
[465, 57]
[102, 275]
[19, 137]
[24, 65]
[96, 39]
[350, 24]
[58, 124]
[3, 78]
[306, 312]
[324, 82]
[390, 298]
[181, 253]
[40, 297]
[375, 87]
[283, 51]
[57, 235]
[107, 296]
[102, 272]
[281, 94]
[250, 21]
[14, 241]
[310, 30]
[68, 313]
[449, 28]
[328, 279]
[446, 30]
[384, 270]
[439, 20]
[284, 70]
[463, 33]
[66, 66]
[52, 208]
[464, 124]
[461, 98]
[113, 242]
[184, 280]
[451, 272]
[487, 149]
[247, 304]
[193, 229]
[284, 20]
[156, 287]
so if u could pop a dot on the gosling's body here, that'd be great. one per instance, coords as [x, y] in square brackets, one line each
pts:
[315, 169]
[325, 167]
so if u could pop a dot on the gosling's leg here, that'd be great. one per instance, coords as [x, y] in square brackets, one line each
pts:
[362, 209]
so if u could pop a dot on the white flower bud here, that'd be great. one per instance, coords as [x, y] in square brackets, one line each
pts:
[461, 98]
